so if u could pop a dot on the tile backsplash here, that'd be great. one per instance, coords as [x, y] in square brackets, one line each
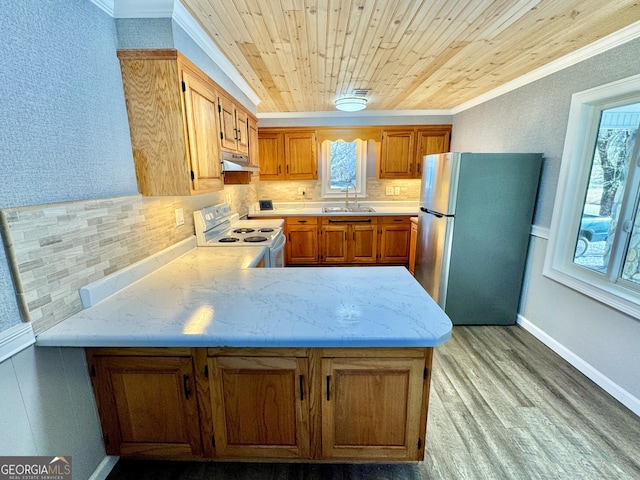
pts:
[55, 249]
[287, 191]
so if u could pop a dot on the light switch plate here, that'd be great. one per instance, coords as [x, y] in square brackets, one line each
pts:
[179, 217]
[396, 190]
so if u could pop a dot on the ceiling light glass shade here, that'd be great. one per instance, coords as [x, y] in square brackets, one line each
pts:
[351, 104]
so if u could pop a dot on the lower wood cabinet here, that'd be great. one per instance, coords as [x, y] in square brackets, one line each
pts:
[371, 408]
[260, 406]
[351, 240]
[147, 402]
[344, 404]
[395, 239]
[302, 241]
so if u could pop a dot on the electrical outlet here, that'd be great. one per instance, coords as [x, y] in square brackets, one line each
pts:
[179, 217]
[302, 191]
[396, 191]
[388, 191]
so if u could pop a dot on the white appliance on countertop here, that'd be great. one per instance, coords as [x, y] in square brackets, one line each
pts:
[216, 226]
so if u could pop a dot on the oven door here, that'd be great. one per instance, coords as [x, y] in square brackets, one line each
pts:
[276, 253]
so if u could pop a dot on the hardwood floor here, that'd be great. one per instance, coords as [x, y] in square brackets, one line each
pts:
[503, 406]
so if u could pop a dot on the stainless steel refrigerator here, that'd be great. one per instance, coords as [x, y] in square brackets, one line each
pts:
[475, 219]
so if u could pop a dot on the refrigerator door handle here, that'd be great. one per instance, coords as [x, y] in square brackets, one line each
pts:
[430, 212]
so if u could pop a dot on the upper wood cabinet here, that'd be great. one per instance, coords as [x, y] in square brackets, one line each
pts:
[288, 154]
[234, 130]
[402, 149]
[254, 148]
[173, 121]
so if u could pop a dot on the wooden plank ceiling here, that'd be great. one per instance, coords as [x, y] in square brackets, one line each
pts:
[300, 55]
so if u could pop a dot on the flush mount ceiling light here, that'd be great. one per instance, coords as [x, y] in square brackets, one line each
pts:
[351, 104]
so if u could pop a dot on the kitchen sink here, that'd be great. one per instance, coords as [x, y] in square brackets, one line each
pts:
[361, 209]
[334, 210]
[347, 210]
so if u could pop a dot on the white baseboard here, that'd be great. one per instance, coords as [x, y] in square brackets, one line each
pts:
[613, 389]
[105, 467]
[15, 339]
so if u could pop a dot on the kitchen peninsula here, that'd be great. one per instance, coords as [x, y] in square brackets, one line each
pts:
[205, 358]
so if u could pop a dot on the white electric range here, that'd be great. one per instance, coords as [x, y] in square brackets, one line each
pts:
[216, 226]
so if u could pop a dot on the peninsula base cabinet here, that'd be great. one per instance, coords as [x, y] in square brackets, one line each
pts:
[285, 404]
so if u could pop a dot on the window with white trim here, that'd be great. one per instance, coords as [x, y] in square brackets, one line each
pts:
[344, 167]
[594, 242]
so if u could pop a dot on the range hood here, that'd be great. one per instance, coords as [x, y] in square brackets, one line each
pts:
[234, 162]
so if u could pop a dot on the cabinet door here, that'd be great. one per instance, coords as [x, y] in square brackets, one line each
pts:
[204, 150]
[363, 243]
[147, 405]
[301, 159]
[228, 131]
[302, 241]
[271, 148]
[242, 131]
[335, 243]
[413, 245]
[260, 407]
[254, 149]
[397, 154]
[431, 141]
[395, 233]
[371, 408]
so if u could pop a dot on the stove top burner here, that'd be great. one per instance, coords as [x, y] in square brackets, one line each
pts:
[266, 230]
[243, 230]
[229, 240]
[255, 239]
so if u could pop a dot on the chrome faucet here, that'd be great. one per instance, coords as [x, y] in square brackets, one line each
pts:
[346, 197]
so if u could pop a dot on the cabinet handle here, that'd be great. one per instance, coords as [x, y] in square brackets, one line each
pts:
[301, 387]
[289, 237]
[328, 387]
[287, 167]
[302, 221]
[345, 236]
[367, 220]
[279, 169]
[185, 384]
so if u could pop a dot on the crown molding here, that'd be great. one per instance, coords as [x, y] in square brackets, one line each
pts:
[361, 113]
[104, 5]
[609, 42]
[175, 10]
[184, 19]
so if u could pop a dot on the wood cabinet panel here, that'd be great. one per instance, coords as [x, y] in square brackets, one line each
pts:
[403, 147]
[302, 241]
[371, 408]
[347, 404]
[349, 240]
[395, 240]
[413, 245]
[260, 407]
[200, 114]
[397, 154]
[334, 244]
[147, 405]
[288, 154]
[271, 147]
[173, 132]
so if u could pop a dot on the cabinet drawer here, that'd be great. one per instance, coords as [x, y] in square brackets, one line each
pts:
[302, 220]
[396, 219]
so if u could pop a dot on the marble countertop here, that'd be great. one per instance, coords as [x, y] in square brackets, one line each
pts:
[286, 209]
[210, 297]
